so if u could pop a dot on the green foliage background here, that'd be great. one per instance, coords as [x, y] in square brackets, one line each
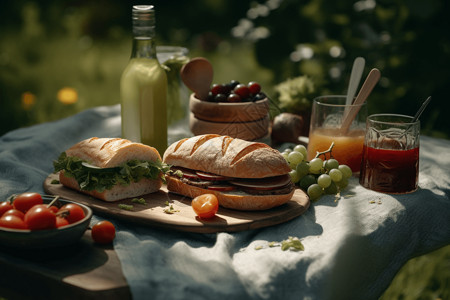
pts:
[46, 45]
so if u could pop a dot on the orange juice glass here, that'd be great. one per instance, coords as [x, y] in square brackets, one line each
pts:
[327, 115]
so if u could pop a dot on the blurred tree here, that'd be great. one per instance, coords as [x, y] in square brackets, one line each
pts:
[407, 40]
[48, 44]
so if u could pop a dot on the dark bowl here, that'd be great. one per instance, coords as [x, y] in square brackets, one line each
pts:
[63, 236]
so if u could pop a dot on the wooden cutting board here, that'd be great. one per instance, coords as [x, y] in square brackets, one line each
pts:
[183, 218]
[83, 270]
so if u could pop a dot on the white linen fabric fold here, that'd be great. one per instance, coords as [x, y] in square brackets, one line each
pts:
[354, 244]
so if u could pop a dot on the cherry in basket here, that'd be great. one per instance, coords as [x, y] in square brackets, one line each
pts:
[235, 91]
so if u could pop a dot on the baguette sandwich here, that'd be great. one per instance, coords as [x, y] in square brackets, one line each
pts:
[243, 175]
[111, 168]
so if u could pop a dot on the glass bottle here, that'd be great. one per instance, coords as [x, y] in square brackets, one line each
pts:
[143, 86]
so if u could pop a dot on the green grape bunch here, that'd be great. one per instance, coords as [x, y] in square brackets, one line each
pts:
[318, 176]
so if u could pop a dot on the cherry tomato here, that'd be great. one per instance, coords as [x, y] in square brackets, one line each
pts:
[12, 221]
[76, 213]
[40, 217]
[14, 212]
[103, 232]
[25, 201]
[205, 206]
[61, 222]
[4, 207]
[54, 209]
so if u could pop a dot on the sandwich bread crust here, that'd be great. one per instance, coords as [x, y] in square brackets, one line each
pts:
[226, 156]
[111, 152]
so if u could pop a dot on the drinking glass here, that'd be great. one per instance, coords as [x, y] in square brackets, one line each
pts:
[391, 154]
[172, 58]
[328, 113]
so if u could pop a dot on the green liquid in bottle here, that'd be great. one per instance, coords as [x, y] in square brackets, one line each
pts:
[143, 86]
[144, 99]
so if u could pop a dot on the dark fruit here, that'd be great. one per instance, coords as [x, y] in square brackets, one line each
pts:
[254, 87]
[233, 84]
[234, 98]
[287, 127]
[210, 97]
[217, 89]
[220, 98]
[234, 91]
[242, 90]
[259, 96]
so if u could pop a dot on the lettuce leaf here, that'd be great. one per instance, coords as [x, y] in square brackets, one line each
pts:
[99, 180]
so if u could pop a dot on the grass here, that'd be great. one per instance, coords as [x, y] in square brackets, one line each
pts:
[426, 277]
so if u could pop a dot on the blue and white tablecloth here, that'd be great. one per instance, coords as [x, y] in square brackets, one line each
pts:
[354, 244]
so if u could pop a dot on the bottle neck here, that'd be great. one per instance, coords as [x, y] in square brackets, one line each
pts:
[143, 48]
[143, 18]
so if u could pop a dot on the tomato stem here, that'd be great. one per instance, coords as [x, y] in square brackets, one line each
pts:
[11, 198]
[63, 213]
[53, 201]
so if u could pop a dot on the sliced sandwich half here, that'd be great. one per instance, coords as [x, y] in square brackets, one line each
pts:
[111, 168]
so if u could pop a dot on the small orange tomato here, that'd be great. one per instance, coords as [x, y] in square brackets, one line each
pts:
[205, 206]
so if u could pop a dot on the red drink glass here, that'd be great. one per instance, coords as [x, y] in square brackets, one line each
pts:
[390, 161]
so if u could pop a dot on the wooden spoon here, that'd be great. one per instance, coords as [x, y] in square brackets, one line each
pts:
[197, 75]
[365, 91]
[355, 78]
